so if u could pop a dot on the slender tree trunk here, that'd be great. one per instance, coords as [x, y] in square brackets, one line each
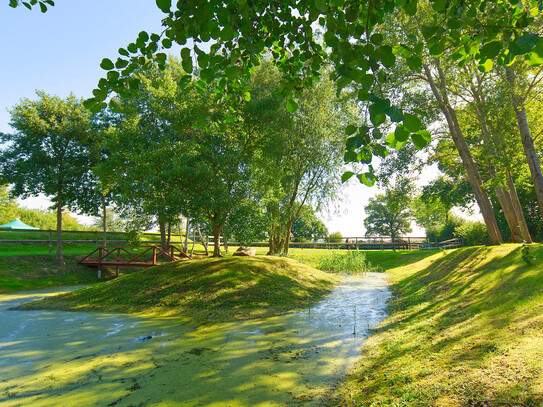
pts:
[287, 236]
[225, 240]
[204, 243]
[104, 221]
[271, 246]
[518, 209]
[217, 239]
[193, 240]
[169, 237]
[162, 228]
[526, 137]
[186, 246]
[510, 214]
[59, 258]
[474, 177]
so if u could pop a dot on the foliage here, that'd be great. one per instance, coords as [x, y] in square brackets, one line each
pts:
[389, 214]
[462, 299]
[351, 261]
[335, 237]
[444, 231]
[527, 255]
[49, 152]
[472, 233]
[307, 226]
[247, 223]
[8, 205]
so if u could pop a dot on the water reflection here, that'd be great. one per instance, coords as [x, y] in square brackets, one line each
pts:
[61, 358]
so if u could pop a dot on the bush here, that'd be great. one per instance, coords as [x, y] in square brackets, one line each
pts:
[473, 233]
[337, 260]
[444, 231]
[335, 237]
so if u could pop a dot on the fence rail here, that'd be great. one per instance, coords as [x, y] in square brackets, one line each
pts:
[350, 242]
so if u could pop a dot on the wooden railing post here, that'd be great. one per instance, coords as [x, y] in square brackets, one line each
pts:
[50, 242]
[100, 263]
[154, 255]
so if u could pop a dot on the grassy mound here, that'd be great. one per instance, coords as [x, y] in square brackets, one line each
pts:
[466, 329]
[232, 287]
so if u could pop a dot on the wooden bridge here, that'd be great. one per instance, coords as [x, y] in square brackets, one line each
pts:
[125, 257]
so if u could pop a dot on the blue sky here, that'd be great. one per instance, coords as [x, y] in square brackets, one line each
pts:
[60, 52]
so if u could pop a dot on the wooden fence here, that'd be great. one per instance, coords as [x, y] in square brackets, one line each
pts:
[356, 242]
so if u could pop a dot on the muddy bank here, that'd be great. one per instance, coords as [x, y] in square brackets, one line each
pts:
[91, 359]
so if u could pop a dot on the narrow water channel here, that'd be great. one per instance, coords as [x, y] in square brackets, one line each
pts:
[52, 358]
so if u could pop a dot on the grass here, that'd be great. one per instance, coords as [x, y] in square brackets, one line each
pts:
[465, 329]
[211, 288]
[32, 272]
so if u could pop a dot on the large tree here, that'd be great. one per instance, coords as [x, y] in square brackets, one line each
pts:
[389, 214]
[48, 154]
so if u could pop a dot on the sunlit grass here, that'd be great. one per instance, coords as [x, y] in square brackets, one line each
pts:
[466, 329]
[231, 287]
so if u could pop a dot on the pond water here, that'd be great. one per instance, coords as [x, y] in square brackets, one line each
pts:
[53, 358]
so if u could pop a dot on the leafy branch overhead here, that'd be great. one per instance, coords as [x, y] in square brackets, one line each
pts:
[303, 37]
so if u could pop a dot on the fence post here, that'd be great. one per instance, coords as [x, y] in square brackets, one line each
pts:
[437, 245]
[154, 255]
[95, 240]
[99, 263]
[408, 243]
[50, 242]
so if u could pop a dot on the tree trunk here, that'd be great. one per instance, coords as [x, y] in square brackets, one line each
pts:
[169, 237]
[193, 240]
[217, 239]
[104, 222]
[474, 177]
[162, 228]
[518, 209]
[526, 137]
[287, 236]
[59, 258]
[204, 243]
[225, 240]
[510, 214]
[186, 246]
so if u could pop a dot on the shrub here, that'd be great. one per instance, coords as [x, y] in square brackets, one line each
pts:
[473, 233]
[335, 237]
[337, 260]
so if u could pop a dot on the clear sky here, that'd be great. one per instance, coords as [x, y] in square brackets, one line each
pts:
[60, 52]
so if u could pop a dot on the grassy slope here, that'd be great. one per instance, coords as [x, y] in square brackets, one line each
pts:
[231, 287]
[32, 272]
[466, 329]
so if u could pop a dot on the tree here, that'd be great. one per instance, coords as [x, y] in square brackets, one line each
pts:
[8, 205]
[49, 152]
[389, 214]
[307, 225]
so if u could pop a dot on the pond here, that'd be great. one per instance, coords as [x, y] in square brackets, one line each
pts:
[96, 359]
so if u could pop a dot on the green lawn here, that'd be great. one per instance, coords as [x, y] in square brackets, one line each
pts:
[465, 329]
[212, 288]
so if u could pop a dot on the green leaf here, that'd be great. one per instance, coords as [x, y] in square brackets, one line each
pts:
[292, 106]
[167, 43]
[414, 63]
[386, 56]
[523, 44]
[437, 49]
[367, 178]
[164, 5]
[411, 122]
[124, 52]
[43, 7]
[143, 36]
[410, 7]
[440, 5]
[491, 49]
[401, 133]
[350, 157]
[377, 39]
[350, 130]
[428, 31]
[378, 111]
[535, 58]
[395, 114]
[486, 66]
[346, 176]
[107, 64]
[247, 96]
[121, 63]
[421, 139]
